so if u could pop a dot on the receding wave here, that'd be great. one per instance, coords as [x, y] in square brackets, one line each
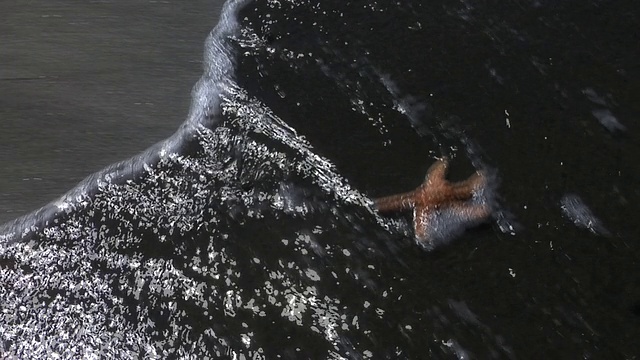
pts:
[215, 242]
[232, 238]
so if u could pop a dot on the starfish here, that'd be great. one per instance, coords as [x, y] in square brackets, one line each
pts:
[440, 203]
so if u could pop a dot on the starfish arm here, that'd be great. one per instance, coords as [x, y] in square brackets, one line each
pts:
[479, 213]
[395, 202]
[471, 214]
[420, 223]
[463, 190]
[475, 181]
[437, 171]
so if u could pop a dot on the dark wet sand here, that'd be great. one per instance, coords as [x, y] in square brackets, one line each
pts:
[83, 85]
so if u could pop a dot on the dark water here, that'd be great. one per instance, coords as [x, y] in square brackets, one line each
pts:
[249, 233]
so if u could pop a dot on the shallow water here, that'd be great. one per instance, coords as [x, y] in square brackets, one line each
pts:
[249, 233]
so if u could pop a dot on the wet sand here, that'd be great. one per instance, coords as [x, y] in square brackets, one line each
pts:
[83, 85]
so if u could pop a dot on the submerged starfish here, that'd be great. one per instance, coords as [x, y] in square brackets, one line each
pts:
[437, 196]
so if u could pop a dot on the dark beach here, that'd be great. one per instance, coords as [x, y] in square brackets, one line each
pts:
[250, 233]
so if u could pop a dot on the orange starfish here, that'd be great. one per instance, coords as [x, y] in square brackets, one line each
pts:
[437, 197]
